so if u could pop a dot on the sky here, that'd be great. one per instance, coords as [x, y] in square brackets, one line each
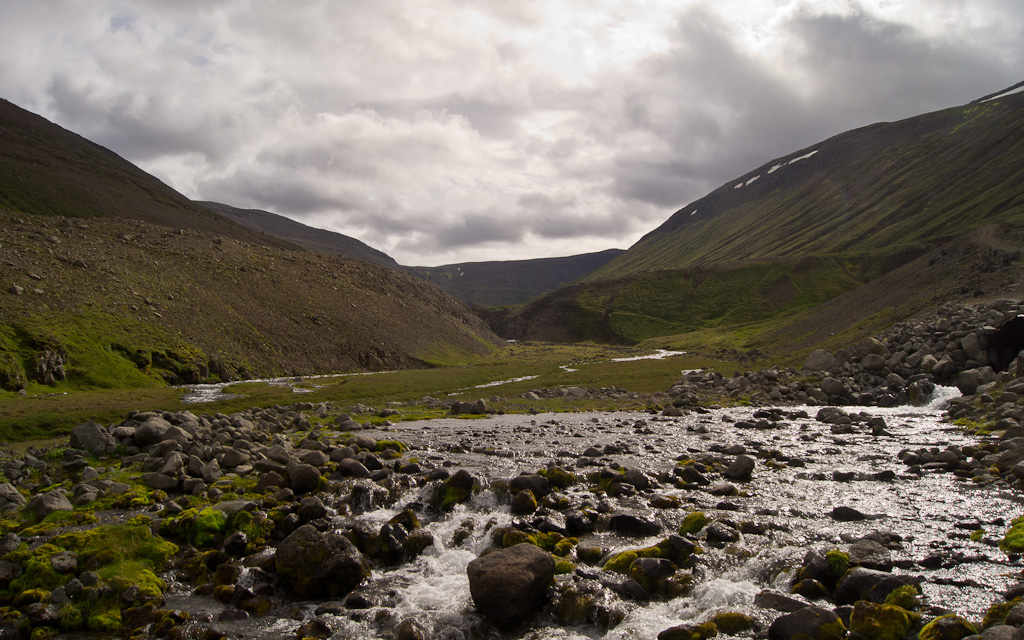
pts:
[446, 131]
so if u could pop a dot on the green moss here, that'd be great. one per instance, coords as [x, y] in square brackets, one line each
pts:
[200, 528]
[563, 566]
[997, 613]
[733, 622]
[620, 562]
[693, 523]
[559, 477]
[255, 527]
[393, 445]
[58, 520]
[839, 561]
[947, 627]
[881, 621]
[1013, 541]
[905, 597]
[38, 572]
[71, 618]
[701, 631]
[565, 547]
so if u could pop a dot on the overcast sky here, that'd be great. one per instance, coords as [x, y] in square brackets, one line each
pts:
[444, 131]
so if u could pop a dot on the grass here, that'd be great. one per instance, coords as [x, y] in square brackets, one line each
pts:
[40, 416]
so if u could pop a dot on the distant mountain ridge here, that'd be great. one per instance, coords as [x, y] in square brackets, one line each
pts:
[502, 283]
[309, 238]
[816, 226]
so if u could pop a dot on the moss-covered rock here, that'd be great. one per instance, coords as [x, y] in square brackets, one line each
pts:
[733, 622]
[693, 523]
[947, 627]
[1013, 540]
[881, 621]
[997, 613]
[701, 631]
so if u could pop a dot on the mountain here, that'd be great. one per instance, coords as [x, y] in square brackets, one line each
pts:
[309, 238]
[49, 170]
[112, 279]
[811, 227]
[501, 283]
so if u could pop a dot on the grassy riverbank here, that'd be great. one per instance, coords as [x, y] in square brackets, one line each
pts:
[52, 411]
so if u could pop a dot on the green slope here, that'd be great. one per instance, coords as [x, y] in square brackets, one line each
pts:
[871, 190]
[757, 261]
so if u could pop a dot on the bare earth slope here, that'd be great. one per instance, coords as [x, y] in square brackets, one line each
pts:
[110, 278]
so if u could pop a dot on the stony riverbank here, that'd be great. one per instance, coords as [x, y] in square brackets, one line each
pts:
[817, 521]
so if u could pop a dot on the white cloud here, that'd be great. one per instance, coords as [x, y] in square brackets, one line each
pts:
[448, 130]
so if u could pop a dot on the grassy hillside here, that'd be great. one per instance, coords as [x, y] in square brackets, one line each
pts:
[502, 283]
[833, 241]
[878, 189]
[309, 238]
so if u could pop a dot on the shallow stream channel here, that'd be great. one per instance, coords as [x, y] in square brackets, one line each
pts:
[813, 487]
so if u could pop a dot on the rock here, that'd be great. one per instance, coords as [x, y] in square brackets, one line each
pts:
[628, 524]
[741, 470]
[43, 504]
[303, 478]
[316, 563]
[871, 555]
[151, 431]
[820, 360]
[847, 514]
[161, 481]
[879, 621]
[809, 623]
[717, 532]
[524, 503]
[832, 387]
[870, 585]
[10, 497]
[873, 362]
[871, 346]
[532, 482]
[508, 586]
[947, 627]
[969, 381]
[353, 468]
[92, 437]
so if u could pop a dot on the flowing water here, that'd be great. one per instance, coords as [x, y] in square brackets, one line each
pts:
[933, 513]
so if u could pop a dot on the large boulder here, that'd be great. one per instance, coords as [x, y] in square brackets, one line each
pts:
[508, 586]
[43, 504]
[319, 564]
[92, 437]
[151, 431]
[809, 623]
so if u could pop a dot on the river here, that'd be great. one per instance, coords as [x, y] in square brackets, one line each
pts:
[934, 513]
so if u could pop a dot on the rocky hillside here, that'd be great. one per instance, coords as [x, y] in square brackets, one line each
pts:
[120, 302]
[502, 283]
[772, 246]
[309, 238]
[112, 279]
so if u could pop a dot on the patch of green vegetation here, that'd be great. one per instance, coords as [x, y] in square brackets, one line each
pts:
[947, 627]
[199, 528]
[839, 561]
[881, 621]
[1013, 540]
[997, 613]
[692, 523]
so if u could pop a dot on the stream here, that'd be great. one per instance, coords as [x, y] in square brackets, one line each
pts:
[789, 501]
